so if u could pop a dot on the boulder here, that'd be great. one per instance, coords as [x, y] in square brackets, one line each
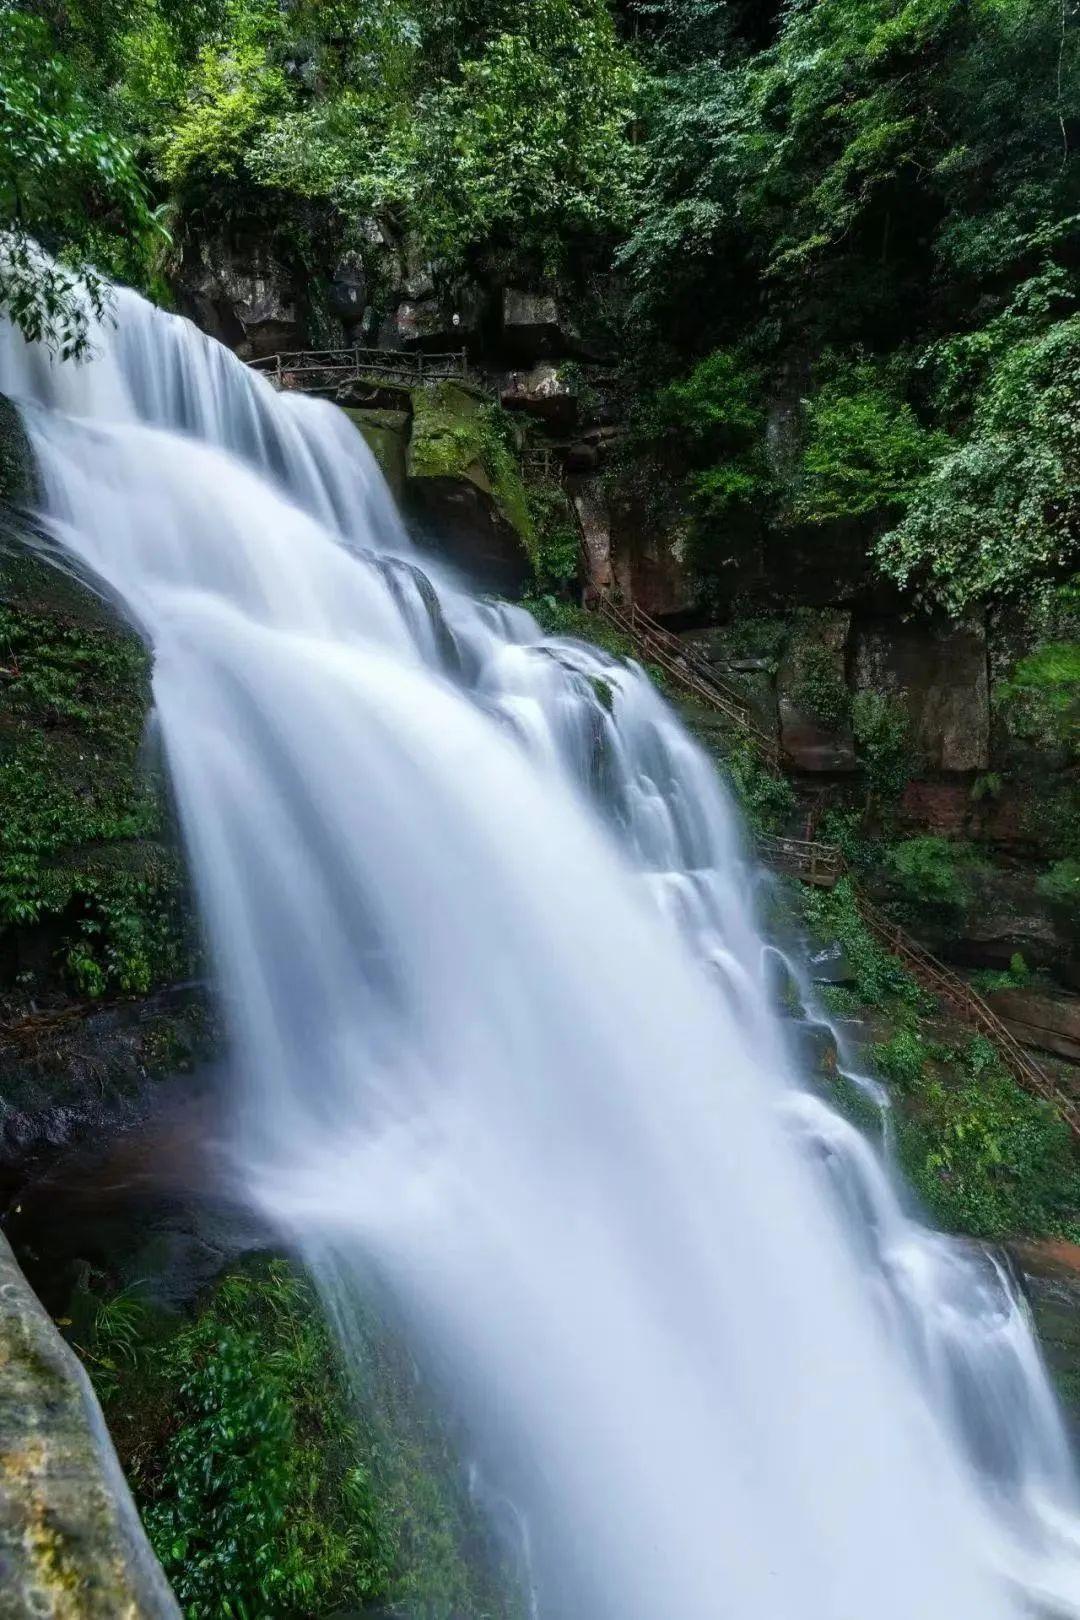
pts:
[71, 1545]
[387, 436]
[1003, 914]
[536, 326]
[242, 295]
[812, 697]
[939, 671]
[1050, 1269]
[1043, 1018]
[463, 491]
[545, 393]
[590, 504]
[346, 293]
[443, 318]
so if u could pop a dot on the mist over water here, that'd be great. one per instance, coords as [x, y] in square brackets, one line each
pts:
[482, 923]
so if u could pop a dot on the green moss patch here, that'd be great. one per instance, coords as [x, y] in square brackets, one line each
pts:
[386, 434]
[457, 434]
[91, 888]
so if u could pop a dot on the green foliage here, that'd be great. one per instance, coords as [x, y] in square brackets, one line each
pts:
[233, 94]
[255, 1502]
[879, 978]
[529, 144]
[456, 434]
[1000, 513]
[900, 1059]
[1017, 976]
[504, 124]
[1041, 696]
[892, 186]
[881, 729]
[765, 798]
[717, 417]
[557, 545]
[61, 169]
[819, 689]
[928, 871]
[1061, 884]
[80, 822]
[265, 1487]
[847, 830]
[864, 447]
[558, 618]
[986, 1157]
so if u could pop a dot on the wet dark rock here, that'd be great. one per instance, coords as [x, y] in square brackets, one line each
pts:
[243, 295]
[1050, 1269]
[813, 1047]
[1003, 914]
[545, 393]
[347, 291]
[1043, 1018]
[464, 496]
[387, 436]
[75, 1073]
[150, 1205]
[536, 326]
[829, 965]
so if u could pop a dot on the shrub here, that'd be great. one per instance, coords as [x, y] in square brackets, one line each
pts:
[865, 449]
[986, 1157]
[881, 728]
[1061, 884]
[927, 871]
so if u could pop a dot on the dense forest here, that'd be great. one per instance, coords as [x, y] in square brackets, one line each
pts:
[797, 292]
[860, 212]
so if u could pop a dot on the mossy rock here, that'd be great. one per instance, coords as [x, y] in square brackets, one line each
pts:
[16, 460]
[464, 492]
[387, 436]
[71, 1545]
[92, 888]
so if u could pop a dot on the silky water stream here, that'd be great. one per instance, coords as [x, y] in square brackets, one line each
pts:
[481, 917]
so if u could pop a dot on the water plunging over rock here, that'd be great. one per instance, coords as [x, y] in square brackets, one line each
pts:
[504, 1040]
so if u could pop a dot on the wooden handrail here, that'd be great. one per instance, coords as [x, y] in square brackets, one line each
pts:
[314, 369]
[654, 650]
[680, 650]
[809, 860]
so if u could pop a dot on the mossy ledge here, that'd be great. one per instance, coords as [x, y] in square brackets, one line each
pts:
[94, 906]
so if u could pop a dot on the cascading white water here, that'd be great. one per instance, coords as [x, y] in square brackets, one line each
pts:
[503, 1037]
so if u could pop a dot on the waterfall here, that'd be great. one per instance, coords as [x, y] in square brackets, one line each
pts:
[482, 923]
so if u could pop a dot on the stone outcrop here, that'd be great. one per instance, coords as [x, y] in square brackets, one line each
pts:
[812, 694]
[71, 1545]
[536, 326]
[463, 489]
[594, 519]
[545, 393]
[243, 295]
[939, 672]
[1050, 1021]
[387, 435]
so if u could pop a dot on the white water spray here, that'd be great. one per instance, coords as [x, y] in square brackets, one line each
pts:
[480, 917]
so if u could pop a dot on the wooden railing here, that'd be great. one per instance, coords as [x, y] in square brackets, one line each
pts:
[316, 370]
[824, 865]
[811, 862]
[655, 645]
